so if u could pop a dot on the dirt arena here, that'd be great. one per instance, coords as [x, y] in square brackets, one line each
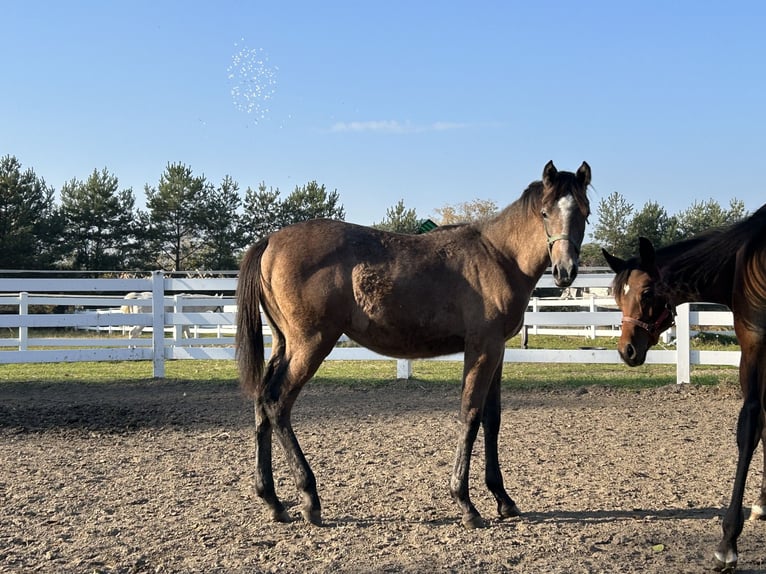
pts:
[156, 477]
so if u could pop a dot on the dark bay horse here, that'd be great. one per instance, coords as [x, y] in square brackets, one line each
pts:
[726, 266]
[461, 288]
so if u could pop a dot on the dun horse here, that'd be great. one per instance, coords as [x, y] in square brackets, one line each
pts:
[726, 266]
[458, 288]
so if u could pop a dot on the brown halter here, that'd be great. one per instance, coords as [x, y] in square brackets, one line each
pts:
[654, 329]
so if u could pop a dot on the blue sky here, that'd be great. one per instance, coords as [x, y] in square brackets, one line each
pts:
[433, 103]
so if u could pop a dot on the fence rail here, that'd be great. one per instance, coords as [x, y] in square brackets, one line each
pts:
[92, 307]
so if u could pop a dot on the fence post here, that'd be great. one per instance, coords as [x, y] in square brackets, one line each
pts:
[403, 369]
[158, 323]
[23, 331]
[683, 344]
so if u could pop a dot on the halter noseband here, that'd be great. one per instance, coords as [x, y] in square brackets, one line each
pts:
[559, 237]
[654, 329]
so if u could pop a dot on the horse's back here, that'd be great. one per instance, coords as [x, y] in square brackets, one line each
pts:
[399, 294]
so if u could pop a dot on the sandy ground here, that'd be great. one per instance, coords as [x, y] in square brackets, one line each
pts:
[157, 477]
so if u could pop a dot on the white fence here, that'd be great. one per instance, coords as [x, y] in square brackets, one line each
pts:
[92, 307]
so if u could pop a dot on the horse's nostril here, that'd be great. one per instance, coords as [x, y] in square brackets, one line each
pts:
[630, 351]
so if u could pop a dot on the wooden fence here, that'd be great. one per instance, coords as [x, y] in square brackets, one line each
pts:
[37, 310]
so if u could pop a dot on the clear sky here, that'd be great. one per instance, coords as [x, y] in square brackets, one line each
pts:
[431, 102]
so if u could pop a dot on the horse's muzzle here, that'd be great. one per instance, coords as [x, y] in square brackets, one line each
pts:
[564, 275]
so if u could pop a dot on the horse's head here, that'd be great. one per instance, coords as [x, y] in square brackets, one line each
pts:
[565, 211]
[645, 312]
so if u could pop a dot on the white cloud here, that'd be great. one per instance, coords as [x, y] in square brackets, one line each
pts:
[395, 127]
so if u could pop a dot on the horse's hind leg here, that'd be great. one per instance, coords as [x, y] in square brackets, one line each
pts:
[264, 477]
[506, 507]
[281, 391]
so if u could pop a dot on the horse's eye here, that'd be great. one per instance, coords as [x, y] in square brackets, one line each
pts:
[646, 297]
[544, 213]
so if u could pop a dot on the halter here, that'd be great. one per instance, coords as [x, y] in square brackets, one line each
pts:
[554, 238]
[654, 329]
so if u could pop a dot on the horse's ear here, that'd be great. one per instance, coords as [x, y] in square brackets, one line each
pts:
[583, 175]
[646, 251]
[550, 173]
[615, 263]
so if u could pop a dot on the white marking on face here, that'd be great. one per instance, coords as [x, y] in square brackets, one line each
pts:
[566, 205]
[626, 289]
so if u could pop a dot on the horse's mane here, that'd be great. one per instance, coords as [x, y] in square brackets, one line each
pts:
[706, 254]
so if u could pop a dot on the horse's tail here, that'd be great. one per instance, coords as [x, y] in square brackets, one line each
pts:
[249, 339]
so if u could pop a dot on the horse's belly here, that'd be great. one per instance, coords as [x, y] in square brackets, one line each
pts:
[407, 343]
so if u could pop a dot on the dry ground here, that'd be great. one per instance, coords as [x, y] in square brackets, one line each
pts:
[156, 477]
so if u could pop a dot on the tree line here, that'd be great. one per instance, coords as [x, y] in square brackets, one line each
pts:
[191, 223]
[188, 223]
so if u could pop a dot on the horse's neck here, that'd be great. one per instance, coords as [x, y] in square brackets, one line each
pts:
[706, 280]
[520, 240]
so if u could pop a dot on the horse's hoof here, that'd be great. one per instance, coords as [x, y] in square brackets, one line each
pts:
[281, 516]
[509, 511]
[473, 521]
[725, 563]
[312, 516]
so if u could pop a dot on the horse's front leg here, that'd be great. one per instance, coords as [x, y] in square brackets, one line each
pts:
[506, 507]
[478, 371]
[749, 426]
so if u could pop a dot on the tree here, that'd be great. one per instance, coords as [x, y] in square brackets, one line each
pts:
[615, 215]
[311, 201]
[262, 213]
[177, 217]
[30, 223]
[476, 210]
[591, 256]
[399, 219]
[265, 212]
[224, 237]
[654, 223]
[709, 214]
[99, 222]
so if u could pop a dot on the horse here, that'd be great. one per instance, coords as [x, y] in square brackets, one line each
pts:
[147, 296]
[725, 266]
[463, 287]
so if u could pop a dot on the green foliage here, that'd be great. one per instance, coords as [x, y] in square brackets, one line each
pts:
[591, 256]
[262, 212]
[614, 217]
[654, 223]
[619, 226]
[30, 223]
[265, 213]
[224, 235]
[703, 215]
[176, 217]
[399, 219]
[311, 201]
[99, 223]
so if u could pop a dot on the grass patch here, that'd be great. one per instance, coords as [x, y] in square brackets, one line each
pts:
[516, 375]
